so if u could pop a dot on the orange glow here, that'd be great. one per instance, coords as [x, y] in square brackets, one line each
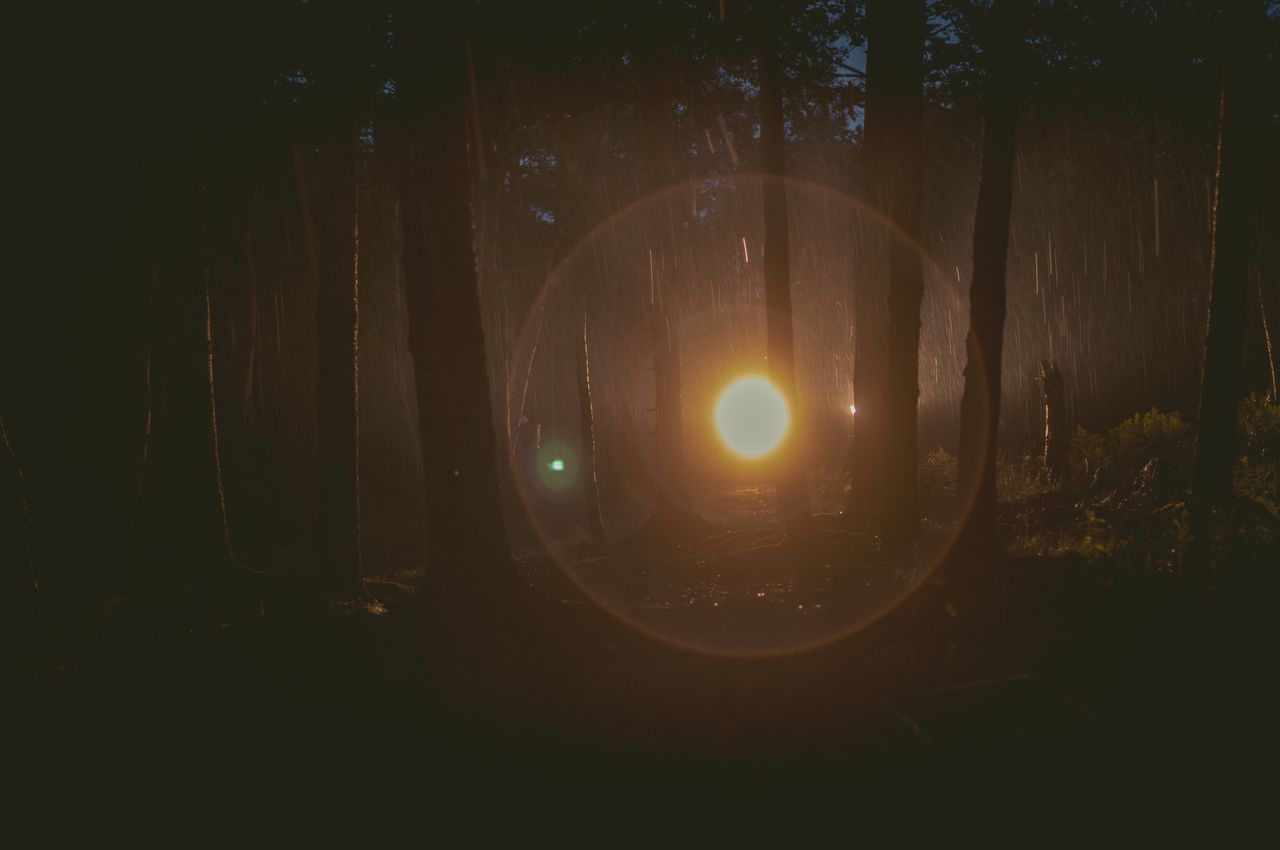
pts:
[752, 416]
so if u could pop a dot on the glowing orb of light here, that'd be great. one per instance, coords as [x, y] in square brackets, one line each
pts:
[853, 410]
[556, 465]
[752, 416]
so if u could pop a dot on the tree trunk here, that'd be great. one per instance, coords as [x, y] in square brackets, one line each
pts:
[897, 69]
[793, 498]
[595, 523]
[1055, 421]
[1266, 338]
[984, 344]
[672, 515]
[467, 540]
[870, 297]
[328, 202]
[1239, 132]
[184, 483]
[329, 188]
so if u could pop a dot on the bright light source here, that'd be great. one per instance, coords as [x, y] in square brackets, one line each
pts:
[852, 410]
[556, 465]
[752, 416]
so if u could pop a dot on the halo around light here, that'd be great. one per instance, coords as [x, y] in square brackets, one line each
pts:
[752, 416]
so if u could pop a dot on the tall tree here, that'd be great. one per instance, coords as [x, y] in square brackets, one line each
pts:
[870, 294]
[467, 541]
[895, 68]
[1240, 130]
[329, 194]
[793, 499]
[1001, 31]
[187, 509]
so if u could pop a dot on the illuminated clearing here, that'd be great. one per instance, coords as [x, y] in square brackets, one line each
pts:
[752, 416]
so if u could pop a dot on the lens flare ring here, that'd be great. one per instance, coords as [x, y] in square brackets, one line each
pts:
[710, 635]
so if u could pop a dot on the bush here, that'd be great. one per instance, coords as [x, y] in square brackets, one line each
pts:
[1087, 456]
[1144, 436]
[1130, 503]
[1117, 458]
[1020, 477]
[1258, 430]
[939, 472]
[1257, 473]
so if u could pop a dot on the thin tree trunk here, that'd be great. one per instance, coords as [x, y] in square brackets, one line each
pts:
[222, 537]
[595, 522]
[984, 344]
[793, 498]
[467, 540]
[672, 515]
[1266, 338]
[898, 69]
[870, 298]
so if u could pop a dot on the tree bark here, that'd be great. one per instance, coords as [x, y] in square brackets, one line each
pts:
[672, 515]
[870, 317]
[793, 498]
[984, 344]
[1239, 132]
[329, 185]
[591, 488]
[328, 205]
[1240, 128]
[898, 70]
[1055, 421]
[467, 540]
[1266, 338]
[185, 513]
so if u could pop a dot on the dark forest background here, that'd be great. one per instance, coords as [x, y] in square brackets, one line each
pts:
[189, 163]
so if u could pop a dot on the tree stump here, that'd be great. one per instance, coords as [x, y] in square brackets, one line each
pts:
[1055, 421]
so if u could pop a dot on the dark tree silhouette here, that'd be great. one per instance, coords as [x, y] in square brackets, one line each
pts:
[793, 499]
[183, 478]
[984, 344]
[330, 191]
[1240, 130]
[329, 229]
[895, 70]
[870, 295]
[1239, 134]
[467, 541]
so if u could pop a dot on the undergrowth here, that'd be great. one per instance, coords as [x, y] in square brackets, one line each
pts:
[1126, 494]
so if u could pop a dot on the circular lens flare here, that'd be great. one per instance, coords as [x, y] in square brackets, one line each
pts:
[752, 416]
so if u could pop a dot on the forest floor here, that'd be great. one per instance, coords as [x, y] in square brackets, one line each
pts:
[748, 651]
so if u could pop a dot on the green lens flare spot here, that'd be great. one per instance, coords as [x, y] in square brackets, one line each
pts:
[557, 466]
